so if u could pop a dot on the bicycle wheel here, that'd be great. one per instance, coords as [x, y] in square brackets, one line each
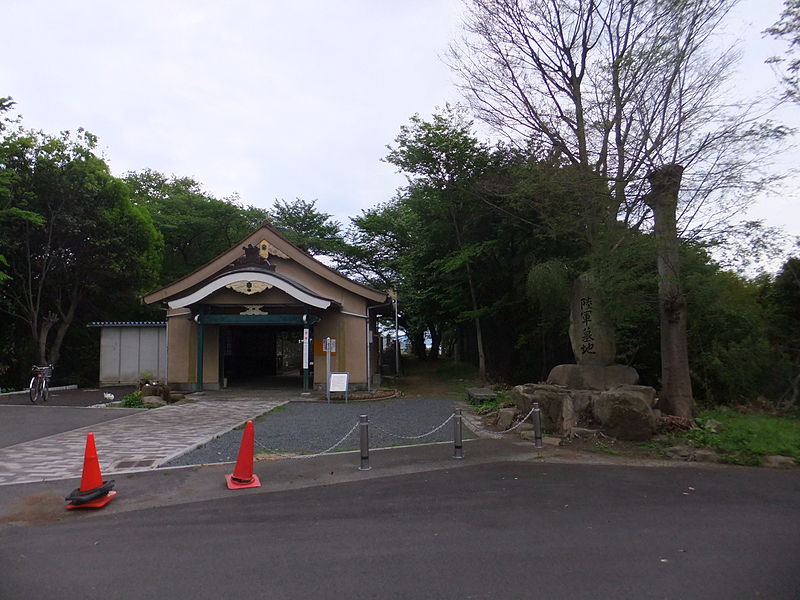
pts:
[45, 391]
[33, 389]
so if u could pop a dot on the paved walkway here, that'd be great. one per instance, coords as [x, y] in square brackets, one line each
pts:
[132, 443]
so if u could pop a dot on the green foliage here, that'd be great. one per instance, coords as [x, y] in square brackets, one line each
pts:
[746, 438]
[87, 248]
[195, 226]
[484, 407]
[133, 400]
[455, 370]
[549, 285]
[306, 227]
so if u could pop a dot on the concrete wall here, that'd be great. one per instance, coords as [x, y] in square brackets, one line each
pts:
[126, 352]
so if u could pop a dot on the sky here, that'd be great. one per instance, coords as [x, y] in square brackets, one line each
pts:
[271, 100]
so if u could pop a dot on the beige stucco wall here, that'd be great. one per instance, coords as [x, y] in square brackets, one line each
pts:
[182, 352]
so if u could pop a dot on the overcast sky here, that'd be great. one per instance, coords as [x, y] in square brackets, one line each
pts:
[267, 99]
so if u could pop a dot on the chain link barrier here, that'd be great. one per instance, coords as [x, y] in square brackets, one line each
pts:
[392, 434]
[326, 451]
[510, 429]
[414, 437]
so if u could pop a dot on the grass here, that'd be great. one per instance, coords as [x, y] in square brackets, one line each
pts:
[434, 377]
[745, 437]
[603, 448]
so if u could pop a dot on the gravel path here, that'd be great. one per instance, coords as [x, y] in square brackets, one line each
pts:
[306, 428]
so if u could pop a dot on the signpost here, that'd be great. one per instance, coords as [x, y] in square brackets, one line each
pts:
[328, 345]
[305, 358]
[338, 382]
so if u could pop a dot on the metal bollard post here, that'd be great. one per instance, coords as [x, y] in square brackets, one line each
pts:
[363, 426]
[537, 425]
[458, 447]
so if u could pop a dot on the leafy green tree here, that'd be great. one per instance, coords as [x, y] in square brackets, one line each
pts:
[306, 227]
[783, 300]
[8, 212]
[441, 157]
[88, 247]
[195, 226]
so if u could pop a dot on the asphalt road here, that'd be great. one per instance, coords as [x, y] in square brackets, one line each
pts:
[499, 530]
[25, 423]
[73, 397]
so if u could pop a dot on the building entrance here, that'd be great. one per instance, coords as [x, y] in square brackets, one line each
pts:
[261, 355]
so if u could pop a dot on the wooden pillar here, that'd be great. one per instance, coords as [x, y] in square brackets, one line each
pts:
[200, 352]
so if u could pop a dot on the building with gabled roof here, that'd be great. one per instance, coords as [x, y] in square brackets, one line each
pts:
[259, 314]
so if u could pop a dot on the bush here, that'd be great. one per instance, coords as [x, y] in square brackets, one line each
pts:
[133, 400]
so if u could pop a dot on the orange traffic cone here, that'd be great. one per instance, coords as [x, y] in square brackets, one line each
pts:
[94, 492]
[242, 476]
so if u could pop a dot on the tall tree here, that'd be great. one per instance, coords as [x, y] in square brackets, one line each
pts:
[9, 213]
[440, 158]
[620, 88]
[88, 247]
[676, 385]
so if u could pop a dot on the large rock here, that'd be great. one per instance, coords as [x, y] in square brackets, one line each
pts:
[625, 413]
[505, 417]
[153, 401]
[778, 462]
[557, 412]
[592, 339]
[561, 408]
[156, 389]
[592, 377]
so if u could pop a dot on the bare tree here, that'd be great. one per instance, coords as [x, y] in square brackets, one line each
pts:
[628, 90]
[620, 87]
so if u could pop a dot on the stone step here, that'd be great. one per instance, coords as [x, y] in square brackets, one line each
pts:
[476, 394]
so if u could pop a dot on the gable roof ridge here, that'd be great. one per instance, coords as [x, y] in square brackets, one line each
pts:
[265, 225]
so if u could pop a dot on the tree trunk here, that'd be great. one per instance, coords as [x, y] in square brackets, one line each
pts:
[675, 397]
[436, 341]
[417, 337]
[478, 329]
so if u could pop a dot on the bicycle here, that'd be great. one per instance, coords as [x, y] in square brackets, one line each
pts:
[40, 383]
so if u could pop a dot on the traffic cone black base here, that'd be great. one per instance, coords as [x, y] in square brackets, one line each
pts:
[97, 503]
[238, 485]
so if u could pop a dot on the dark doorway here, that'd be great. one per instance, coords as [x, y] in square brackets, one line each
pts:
[261, 355]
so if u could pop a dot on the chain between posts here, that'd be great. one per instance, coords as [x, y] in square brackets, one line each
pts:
[414, 437]
[341, 441]
[396, 435]
[510, 429]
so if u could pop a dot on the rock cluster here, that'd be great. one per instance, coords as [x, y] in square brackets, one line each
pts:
[624, 411]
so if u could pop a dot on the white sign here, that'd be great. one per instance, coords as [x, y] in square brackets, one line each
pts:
[339, 382]
[329, 345]
[305, 348]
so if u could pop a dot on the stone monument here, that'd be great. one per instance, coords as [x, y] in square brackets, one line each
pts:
[594, 388]
[593, 344]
